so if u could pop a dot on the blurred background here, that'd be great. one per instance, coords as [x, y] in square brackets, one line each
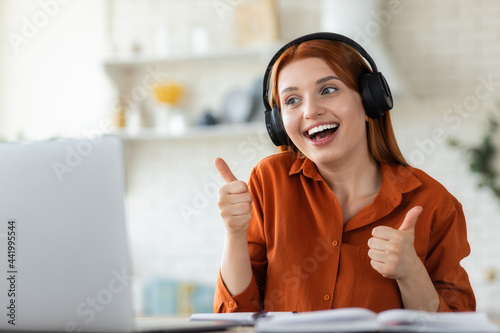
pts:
[180, 81]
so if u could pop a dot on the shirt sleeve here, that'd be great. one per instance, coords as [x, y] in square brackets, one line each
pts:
[247, 301]
[250, 299]
[448, 246]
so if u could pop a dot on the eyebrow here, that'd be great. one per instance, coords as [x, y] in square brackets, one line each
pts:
[327, 78]
[320, 81]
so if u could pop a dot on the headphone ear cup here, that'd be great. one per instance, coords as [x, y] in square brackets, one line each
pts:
[275, 127]
[375, 93]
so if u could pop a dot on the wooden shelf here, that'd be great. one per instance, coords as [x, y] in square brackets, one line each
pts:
[123, 69]
[198, 132]
[265, 51]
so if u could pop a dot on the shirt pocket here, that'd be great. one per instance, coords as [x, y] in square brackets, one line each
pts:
[370, 289]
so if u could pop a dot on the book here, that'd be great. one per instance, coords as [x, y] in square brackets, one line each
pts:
[244, 318]
[363, 320]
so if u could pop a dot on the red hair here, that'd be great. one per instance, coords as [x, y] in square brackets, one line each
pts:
[348, 65]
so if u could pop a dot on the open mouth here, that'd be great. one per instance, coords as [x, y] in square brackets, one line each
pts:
[321, 132]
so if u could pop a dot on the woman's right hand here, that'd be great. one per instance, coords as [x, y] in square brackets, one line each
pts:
[235, 201]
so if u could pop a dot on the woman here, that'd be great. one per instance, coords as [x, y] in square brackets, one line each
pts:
[339, 219]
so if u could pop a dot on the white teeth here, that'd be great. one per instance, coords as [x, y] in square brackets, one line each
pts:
[320, 128]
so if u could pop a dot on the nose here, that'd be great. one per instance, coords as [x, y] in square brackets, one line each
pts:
[312, 108]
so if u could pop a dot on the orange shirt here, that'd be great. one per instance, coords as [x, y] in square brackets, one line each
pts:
[305, 259]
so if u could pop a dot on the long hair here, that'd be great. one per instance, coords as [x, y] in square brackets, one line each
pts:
[348, 65]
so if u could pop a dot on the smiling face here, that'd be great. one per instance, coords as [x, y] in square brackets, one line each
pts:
[323, 117]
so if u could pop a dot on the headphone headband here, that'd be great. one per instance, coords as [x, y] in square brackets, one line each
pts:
[318, 35]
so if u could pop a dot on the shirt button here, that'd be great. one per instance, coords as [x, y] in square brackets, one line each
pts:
[326, 297]
[335, 243]
[231, 304]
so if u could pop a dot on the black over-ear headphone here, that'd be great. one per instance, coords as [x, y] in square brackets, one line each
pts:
[373, 88]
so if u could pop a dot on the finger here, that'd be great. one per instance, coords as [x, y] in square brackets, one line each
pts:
[377, 244]
[379, 267]
[411, 219]
[383, 232]
[230, 199]
[235, 187]
[242, 208]
[224, 170]
[236, 198]
[376, 255]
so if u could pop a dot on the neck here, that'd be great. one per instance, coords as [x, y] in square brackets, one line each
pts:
[350, 182]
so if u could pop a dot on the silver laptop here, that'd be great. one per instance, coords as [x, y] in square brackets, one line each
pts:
[63, 243]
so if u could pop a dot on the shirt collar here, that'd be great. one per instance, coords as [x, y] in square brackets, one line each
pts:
[307, 167]
[396, 179]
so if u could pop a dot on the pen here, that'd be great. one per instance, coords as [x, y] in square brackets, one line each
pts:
[260, 314]
[264, 313]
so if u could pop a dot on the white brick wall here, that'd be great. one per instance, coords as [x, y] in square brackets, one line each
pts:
[414, 123]
[446, 49]
[174, 225]
[172, 198]
[442, 46]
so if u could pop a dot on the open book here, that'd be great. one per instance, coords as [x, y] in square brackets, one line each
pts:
[244, 318]
[363, 320]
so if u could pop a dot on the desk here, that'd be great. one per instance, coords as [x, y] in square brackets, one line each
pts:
[177, 324]
[166, 322]
[160, 323]
[242, 329]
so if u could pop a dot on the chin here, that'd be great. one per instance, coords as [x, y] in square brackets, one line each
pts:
[326, 157]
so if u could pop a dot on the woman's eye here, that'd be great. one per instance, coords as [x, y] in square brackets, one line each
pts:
[328, 90]
[291, 101]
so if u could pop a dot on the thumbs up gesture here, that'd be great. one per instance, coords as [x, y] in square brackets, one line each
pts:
[392, 251]
[235, 201]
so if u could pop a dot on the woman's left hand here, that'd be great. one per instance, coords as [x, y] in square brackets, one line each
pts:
[392, 251]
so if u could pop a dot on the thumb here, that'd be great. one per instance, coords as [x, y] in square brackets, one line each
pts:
[224, 170]
[411, 219]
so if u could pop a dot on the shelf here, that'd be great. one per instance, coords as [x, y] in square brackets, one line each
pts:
[120, 69]
[198, 132]
[256, 51]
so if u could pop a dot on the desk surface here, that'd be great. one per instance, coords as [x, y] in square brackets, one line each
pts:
[166, 322]
[152, 324]
[162, 323]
